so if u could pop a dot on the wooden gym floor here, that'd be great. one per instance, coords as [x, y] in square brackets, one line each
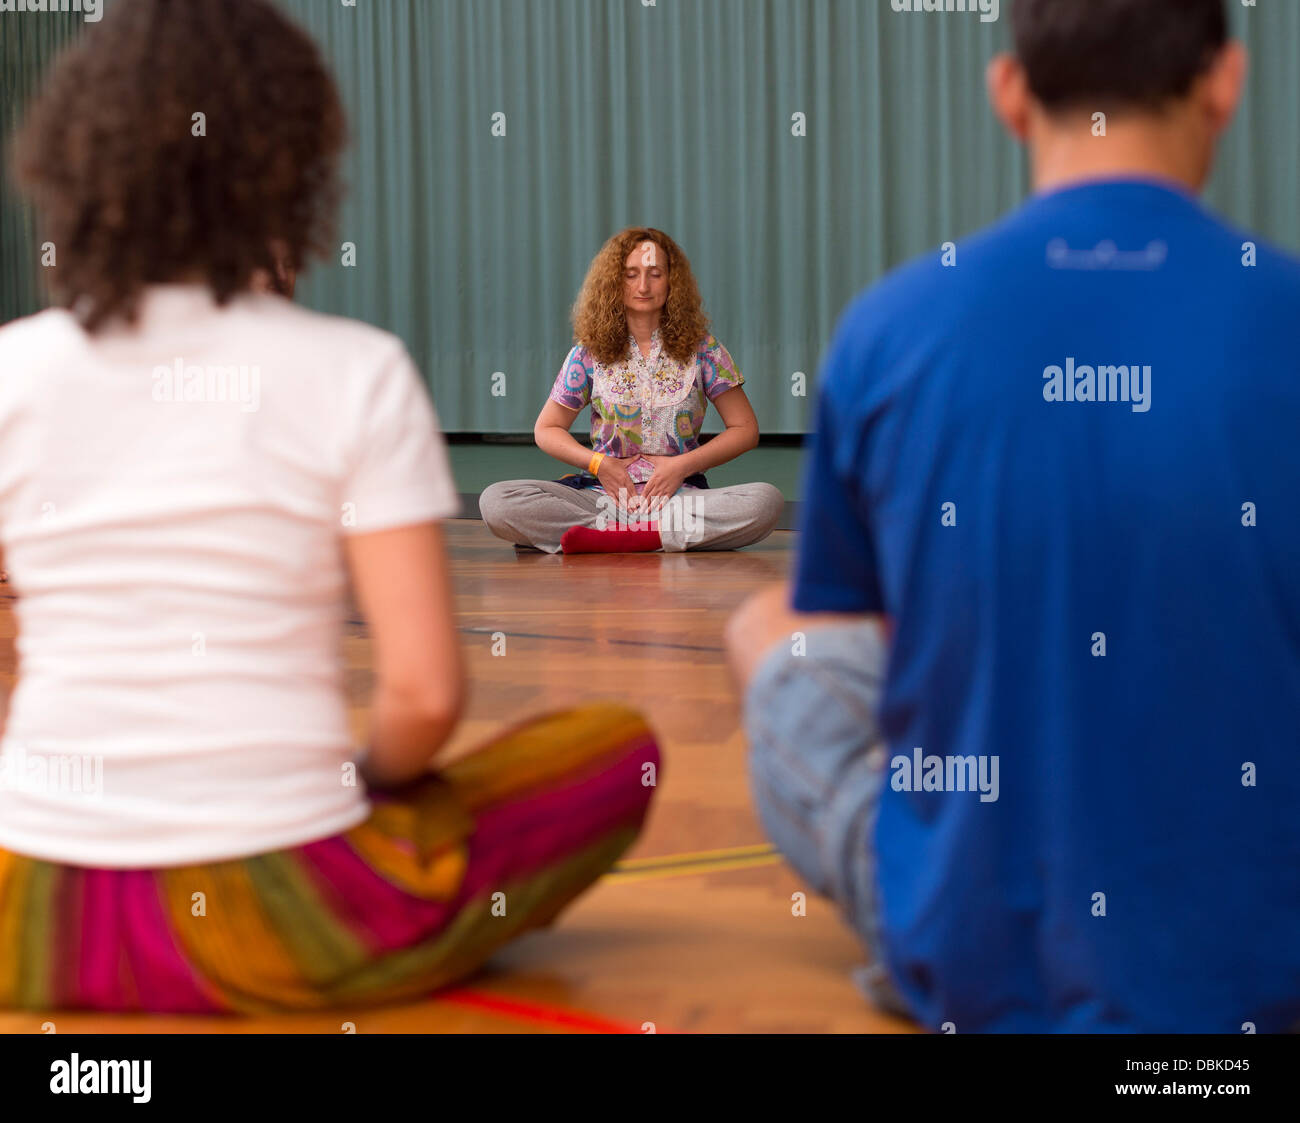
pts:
[694, 932]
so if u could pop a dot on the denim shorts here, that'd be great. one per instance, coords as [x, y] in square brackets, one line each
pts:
[817, 766]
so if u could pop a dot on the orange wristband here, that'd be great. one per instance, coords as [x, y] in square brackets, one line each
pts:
[593, 465]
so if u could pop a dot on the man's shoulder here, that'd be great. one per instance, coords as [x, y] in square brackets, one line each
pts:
[1279, 265]
[996, 274]
[936, 288]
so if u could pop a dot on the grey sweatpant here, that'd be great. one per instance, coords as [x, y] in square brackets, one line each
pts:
[538, 512]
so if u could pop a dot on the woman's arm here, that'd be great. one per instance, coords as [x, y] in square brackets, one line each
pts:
[404, 590]
[739, 436]
[551, 432]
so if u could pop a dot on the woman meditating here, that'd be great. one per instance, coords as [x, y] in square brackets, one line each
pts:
[185, 824]
[645, 362]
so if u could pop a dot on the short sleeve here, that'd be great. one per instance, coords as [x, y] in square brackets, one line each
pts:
[719, 369]
[836, 568]
[396, 469]
[573, 384]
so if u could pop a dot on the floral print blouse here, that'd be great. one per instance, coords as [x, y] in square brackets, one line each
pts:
[650, 404]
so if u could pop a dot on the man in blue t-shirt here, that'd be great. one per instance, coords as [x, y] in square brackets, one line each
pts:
[1047, 755]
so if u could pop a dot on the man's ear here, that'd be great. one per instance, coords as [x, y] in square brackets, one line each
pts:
[1223, 84]
[1008, 88]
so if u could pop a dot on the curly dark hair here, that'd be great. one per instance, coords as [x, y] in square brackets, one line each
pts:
[127, 192]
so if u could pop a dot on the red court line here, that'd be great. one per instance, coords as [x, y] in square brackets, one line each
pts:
[535, 1012]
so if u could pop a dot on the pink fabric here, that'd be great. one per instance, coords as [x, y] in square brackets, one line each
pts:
[128, 957]
[518, 838]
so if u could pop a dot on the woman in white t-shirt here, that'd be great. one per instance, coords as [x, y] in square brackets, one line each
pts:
[192, 471]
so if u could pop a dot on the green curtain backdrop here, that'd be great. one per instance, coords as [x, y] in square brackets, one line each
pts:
[677, 114]
[28, 40]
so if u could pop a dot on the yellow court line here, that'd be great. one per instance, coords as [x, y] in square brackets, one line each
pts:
[760, 848]
[621, 877]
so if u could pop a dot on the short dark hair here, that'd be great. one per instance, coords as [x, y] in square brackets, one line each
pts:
[1129, 54]
[130, 196]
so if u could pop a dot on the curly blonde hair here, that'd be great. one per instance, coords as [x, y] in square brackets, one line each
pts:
[600, 316]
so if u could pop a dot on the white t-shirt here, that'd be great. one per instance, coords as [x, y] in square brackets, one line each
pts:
[173, 498]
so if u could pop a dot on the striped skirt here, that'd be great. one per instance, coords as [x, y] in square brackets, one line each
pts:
[440, 876]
